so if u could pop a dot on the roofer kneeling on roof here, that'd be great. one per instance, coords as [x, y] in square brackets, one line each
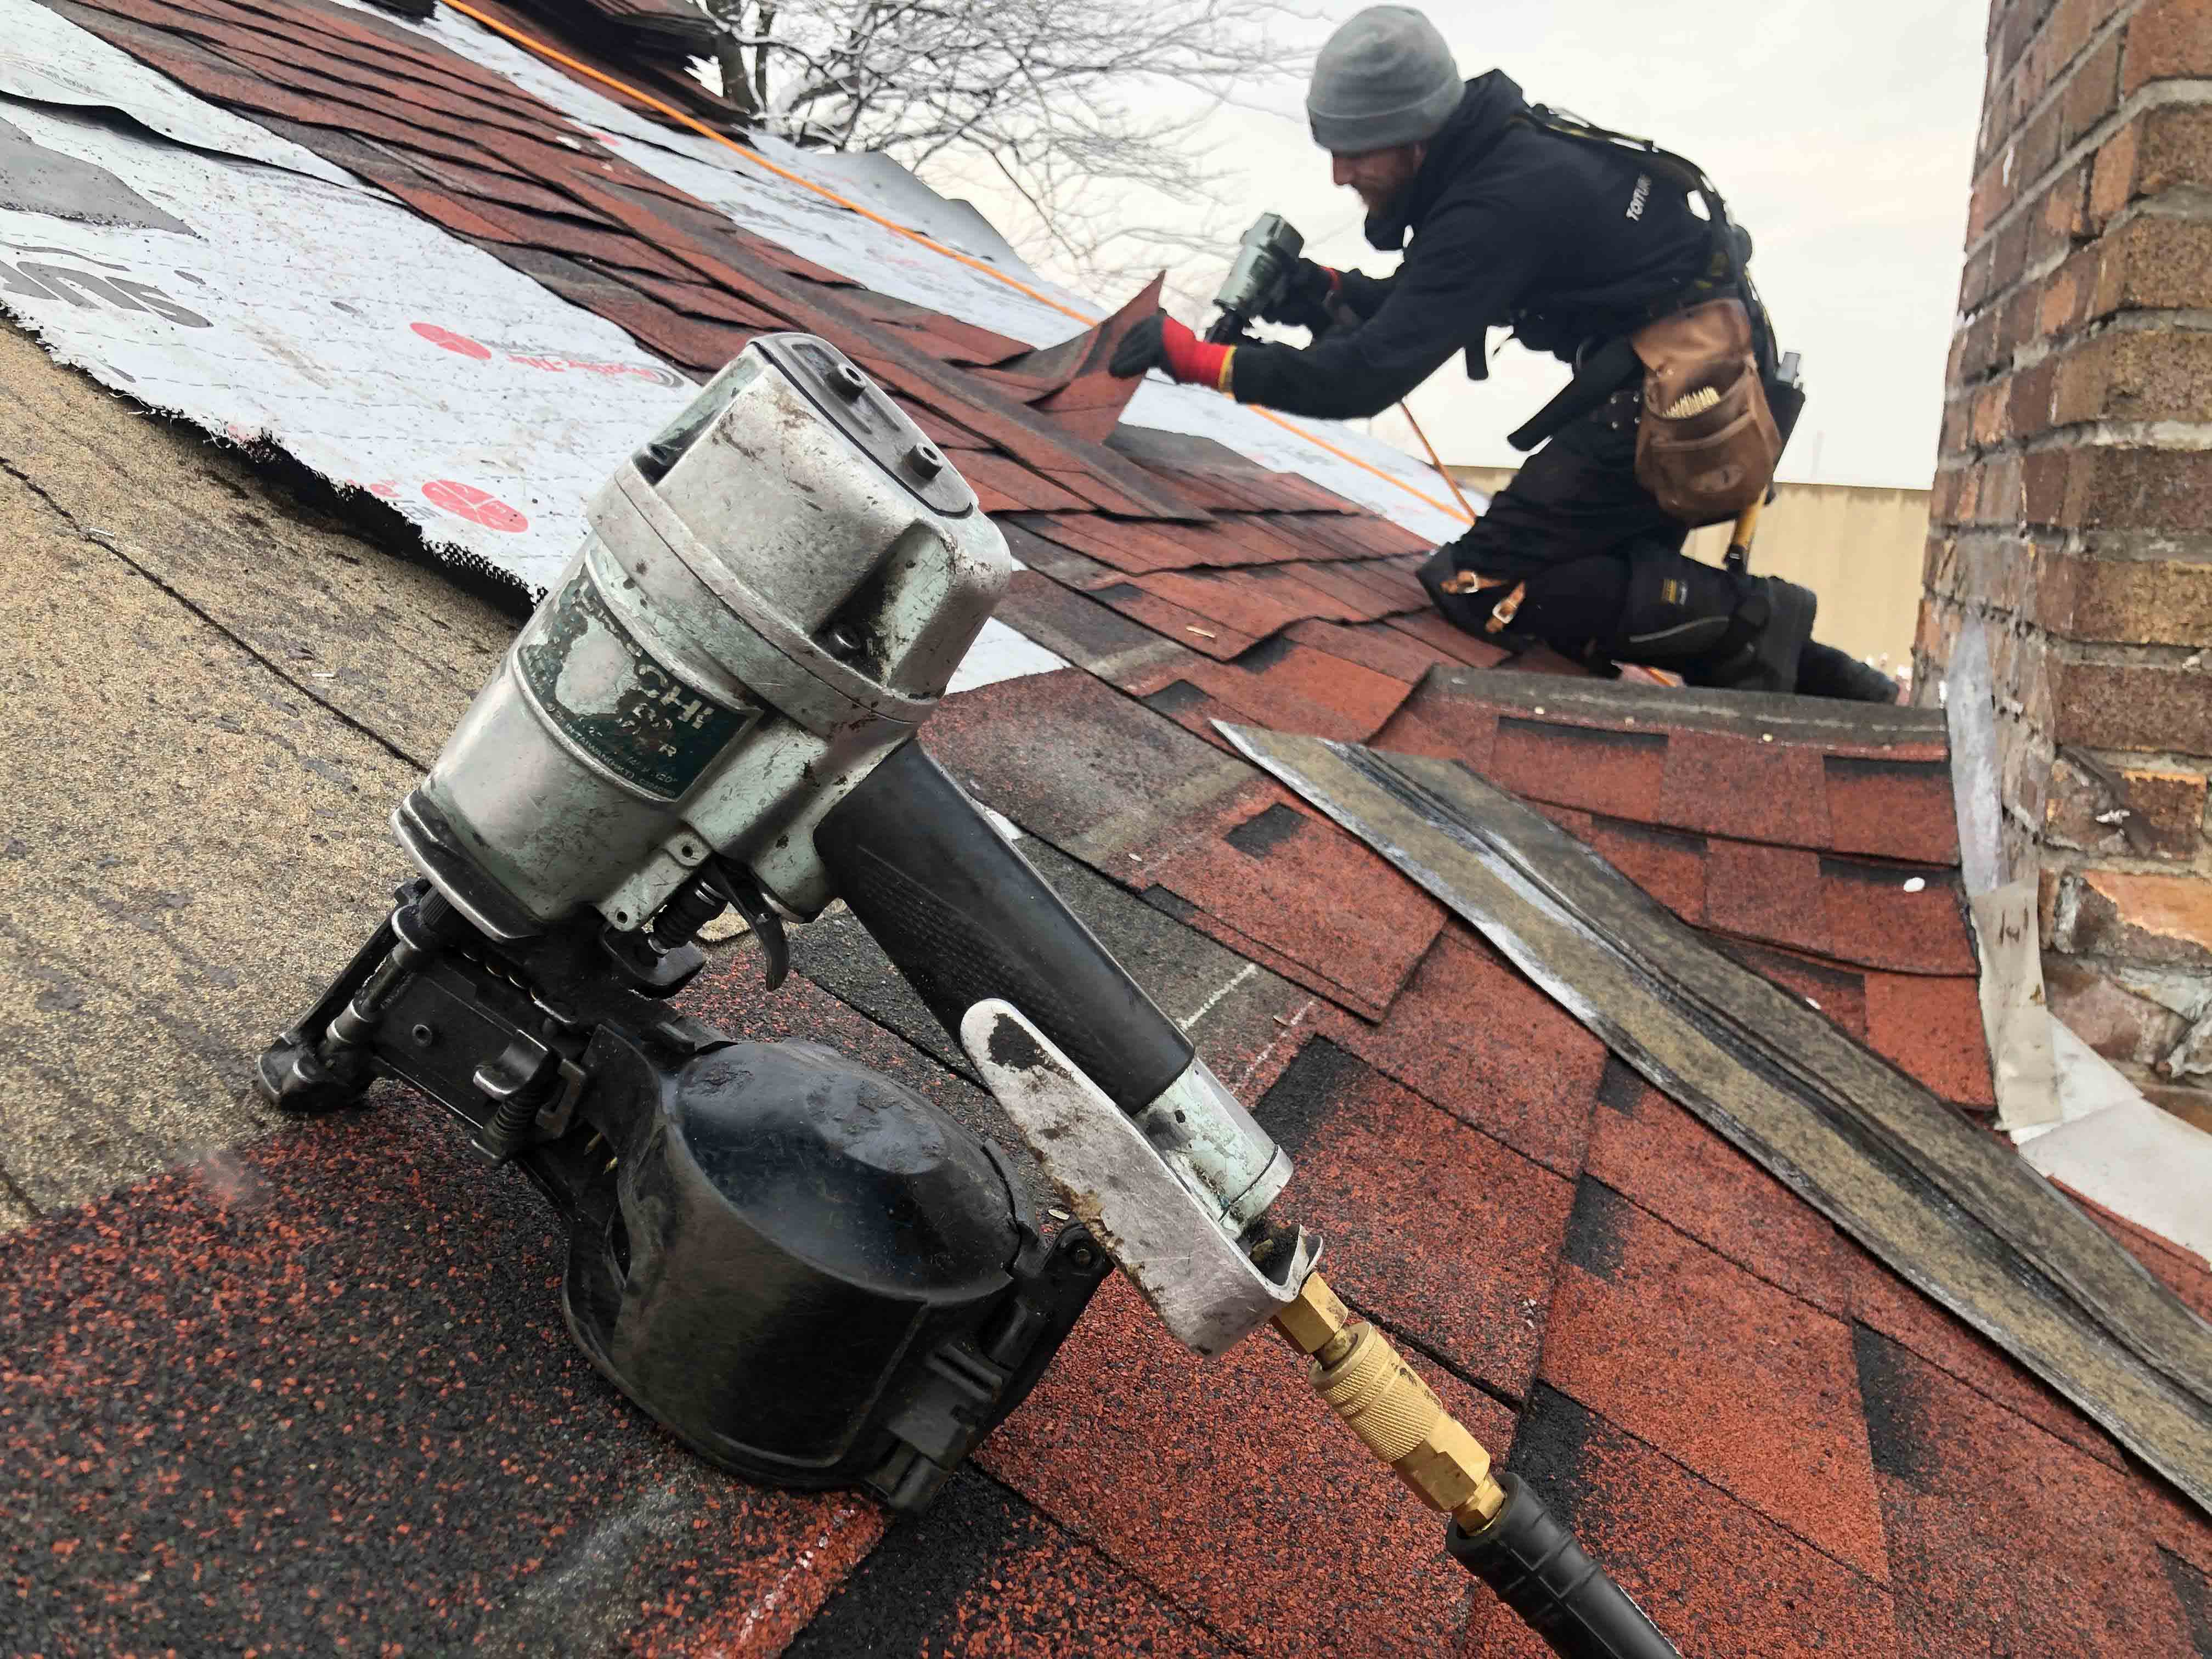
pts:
[1586, 245]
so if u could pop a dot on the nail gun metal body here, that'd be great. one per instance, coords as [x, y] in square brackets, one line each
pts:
[1257, 277]
[806, 1272]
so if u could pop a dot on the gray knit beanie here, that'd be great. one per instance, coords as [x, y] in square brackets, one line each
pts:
[1385, 78]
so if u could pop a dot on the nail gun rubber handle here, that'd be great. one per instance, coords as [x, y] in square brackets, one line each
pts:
[1540, 1571]
[963, 915]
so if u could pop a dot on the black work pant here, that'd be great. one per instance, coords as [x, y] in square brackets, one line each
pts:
[1570, 524]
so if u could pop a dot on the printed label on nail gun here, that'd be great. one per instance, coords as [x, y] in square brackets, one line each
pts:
[617, 702]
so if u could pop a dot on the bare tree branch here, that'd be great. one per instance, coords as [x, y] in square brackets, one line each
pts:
[1038, 91]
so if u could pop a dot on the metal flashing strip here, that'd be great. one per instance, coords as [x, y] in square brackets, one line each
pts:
[1825, 721]
[1949, 1207]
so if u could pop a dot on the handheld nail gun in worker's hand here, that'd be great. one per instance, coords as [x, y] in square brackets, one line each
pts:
[1268, 269]
[806, 1272]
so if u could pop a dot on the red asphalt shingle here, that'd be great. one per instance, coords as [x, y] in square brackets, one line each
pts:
[1199, 1476]
[1440, 1233]
[1651, 1151]
[1278, 873]
[1969, 1493]
[1473, 1036]
[1739, 1381]
[1724, 1580]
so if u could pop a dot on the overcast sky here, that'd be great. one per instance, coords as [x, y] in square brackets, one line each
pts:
[1840, 134]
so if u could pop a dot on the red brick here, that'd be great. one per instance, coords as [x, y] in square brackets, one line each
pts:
[2166, 39]
[2144, 918]
[2060, 215]
[2136, 376]
[2113, 175]
[1227, 1486]
[2157, 262]
[1649, 1149]
[2067, 294]
[2028, 410]
[1740, 1383]
[1436, 1231]
[1719, 1579]
[2092, 92]
[1931, 1027]
[1962, 1482]
[1987, 425]
[1471, 1034]
[2176, 148]
[2139, 707]
[2140, 602]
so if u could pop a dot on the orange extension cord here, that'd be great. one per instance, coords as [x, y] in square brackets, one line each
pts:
[532, 44]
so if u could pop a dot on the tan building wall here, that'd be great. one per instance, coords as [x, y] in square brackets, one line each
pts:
[1859, 548]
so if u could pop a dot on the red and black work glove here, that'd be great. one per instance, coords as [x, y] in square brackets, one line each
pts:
[1309, 299]
[1160, 342]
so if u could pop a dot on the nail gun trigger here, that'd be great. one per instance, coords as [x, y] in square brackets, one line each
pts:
[737, 886]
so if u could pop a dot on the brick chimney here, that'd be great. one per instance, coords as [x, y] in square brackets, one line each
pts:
[2072, 512]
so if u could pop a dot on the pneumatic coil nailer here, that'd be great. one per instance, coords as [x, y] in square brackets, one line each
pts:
[807, 1273]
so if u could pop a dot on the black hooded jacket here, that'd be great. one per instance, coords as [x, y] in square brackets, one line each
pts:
[1511, 226]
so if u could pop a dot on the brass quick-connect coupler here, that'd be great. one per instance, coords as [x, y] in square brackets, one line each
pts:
[1368, 1384]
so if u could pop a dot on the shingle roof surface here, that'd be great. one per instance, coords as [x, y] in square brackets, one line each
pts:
[315, 1394]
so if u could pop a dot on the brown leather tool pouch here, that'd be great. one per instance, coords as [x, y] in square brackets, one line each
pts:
[1705, 443]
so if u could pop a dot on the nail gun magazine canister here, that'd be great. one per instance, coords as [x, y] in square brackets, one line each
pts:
[773, 593]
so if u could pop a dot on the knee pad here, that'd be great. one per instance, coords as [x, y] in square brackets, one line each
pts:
[1678, 610]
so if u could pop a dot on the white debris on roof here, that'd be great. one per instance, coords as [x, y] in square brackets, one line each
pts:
[798, 219]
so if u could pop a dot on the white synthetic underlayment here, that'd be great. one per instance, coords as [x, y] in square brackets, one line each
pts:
[46, 59]
[319, 315]
[314, 313]
[797, 219]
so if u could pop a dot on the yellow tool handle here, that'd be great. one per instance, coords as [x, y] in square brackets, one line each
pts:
[1747, 526]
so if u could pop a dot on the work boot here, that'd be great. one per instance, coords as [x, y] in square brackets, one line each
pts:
[1825, 672]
